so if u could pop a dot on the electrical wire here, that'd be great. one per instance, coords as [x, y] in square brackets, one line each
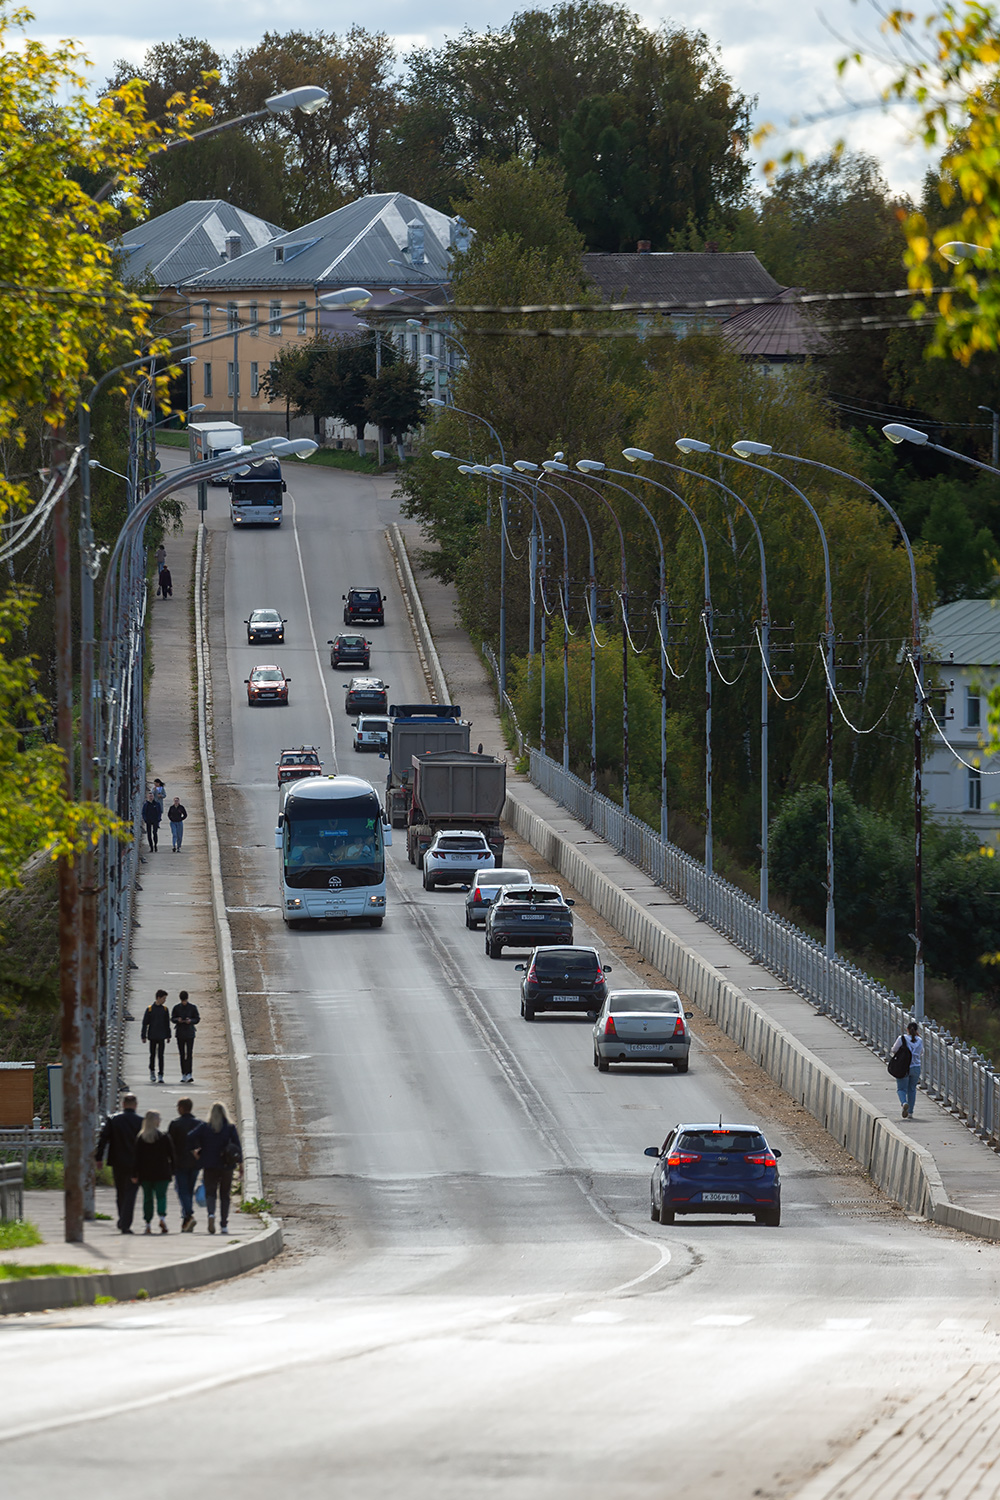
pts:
[635, 649]
[944, 738]
[678, 676]
[833, 693]
[785, 698]
[715, 659]
[602, 645]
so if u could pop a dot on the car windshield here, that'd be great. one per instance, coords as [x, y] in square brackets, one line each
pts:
[497, 878]
[265, 617]
[567, 961]
[655, 1001]
[268, 674]
[457, 843]
[721, 1140]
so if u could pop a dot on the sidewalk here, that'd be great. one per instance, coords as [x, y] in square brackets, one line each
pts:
[173, 948]
[970, 1170]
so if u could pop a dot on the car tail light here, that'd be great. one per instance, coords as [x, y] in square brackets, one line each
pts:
[477, 897]
[681, 1159]
[679, 1026]
[531, 977]
[609, 1027]
[766, 1160]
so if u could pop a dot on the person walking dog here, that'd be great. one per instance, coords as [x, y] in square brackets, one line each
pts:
[152, 812]
[217, 1148]
[905, 1061]
[185, 1017]
[154, 1167]
[117, 1139]
[176, 813]
[185, 1165]
[156, 1031]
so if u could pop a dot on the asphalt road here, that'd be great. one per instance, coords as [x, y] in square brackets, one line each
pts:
[475, 1302]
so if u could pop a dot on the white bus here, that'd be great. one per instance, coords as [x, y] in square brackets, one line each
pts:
[331, 840]
[255, 494]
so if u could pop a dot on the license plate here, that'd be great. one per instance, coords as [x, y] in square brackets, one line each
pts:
[720, 1197]
[532, 919]
[645, 1047]
[568, 999]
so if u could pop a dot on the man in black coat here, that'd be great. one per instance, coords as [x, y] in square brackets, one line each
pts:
[186, 1017]
[185, 1165]
[156, 1031]
[117, 1138]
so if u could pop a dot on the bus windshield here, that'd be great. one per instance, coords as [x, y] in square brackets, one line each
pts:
[334, 844]
[258, 492]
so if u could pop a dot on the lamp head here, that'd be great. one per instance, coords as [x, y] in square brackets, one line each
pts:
[525, 467]
[590, 465]
[414, 323]
[635, 455]
[692, 445]
[348, 296]
[397, 291]
[958, 250]
[440, 453]
[746, 449]
[436, 401]
[198, 406]
[294, 448]
[555, 467]
[466, 469]
[898, 432]
[188, 360]
[308, 99]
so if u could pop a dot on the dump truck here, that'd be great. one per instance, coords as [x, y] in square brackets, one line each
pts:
[455, 789]
[415, 729]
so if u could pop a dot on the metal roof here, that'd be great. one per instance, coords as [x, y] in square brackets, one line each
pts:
[773, 331]
[191, 238]
[681, 276]
[967, 632]
[350, 247]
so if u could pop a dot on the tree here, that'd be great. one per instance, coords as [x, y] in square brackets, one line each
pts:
[396, 398]
[287, 379]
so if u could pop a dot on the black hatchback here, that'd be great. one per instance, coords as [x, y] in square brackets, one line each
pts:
[521, 914]
[563, 979]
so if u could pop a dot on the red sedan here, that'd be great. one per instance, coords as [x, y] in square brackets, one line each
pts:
[267, 684]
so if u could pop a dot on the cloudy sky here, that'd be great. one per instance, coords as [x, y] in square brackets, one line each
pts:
[782, 51]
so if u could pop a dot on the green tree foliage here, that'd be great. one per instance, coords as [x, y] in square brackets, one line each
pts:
[396, 398]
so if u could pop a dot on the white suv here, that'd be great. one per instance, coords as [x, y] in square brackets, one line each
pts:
[371, 732]
[455, 856]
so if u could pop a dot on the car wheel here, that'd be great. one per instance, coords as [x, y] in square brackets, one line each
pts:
[666, 1214]
[603, 1066]
[375, 921]
[654, 1212]
[493, 950]
[428, 881]
[771, 1217]
[528, 1012]
[681, 1067]
[468, 920]
[597, 1060]
[289, 922]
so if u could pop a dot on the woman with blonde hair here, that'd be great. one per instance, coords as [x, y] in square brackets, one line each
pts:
[153, 1168]
[216, 1146]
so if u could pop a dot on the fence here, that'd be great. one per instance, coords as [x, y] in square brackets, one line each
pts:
[37, 1153]
[11, 1191]
[954, 1073]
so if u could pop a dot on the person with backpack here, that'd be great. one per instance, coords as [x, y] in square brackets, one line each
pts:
[153, 1169]
[217, 1149]
[904, 1064]
[156, 1031]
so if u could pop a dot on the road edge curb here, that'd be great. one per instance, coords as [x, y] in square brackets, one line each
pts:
[418, 620]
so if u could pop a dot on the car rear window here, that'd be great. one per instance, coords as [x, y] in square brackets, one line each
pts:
[374, 724]
[360, 598]
[456, 843]
[568, 962]
[721, 1140]
[646, 1000]
[497, 878]
[532, 898]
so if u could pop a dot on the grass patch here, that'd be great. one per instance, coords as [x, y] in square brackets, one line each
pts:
[342, 458]
[15, 1234]
[104, 1301]
[47, 1172]
[11, 1272]
[255, 1206]
[173, 439]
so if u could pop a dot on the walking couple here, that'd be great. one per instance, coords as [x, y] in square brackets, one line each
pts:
[156, 1031]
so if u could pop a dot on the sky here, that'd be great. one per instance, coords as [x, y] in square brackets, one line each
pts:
[784, 52]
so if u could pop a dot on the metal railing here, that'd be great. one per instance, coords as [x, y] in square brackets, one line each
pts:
[37, 1155]
[506, 703]
[11, 1191]
[953, 1072]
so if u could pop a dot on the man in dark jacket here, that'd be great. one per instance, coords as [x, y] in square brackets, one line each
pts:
[117, 1138]
[185, 1017]
[185, 1165]
[152, 812]
[156, 1031]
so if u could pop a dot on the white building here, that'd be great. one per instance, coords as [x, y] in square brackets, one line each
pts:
[964, 639]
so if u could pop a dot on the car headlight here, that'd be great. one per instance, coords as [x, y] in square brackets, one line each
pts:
[293, 903]
[376, 900]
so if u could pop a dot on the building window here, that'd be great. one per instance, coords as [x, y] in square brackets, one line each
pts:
[254, 379]
[428, 343]
[253, 320]
[975, 790]
[972, 708]
[206, 319]
[208, 380]
[233, 378]
[414, 344]
[276, 318]
[302, 317]
[232, 317]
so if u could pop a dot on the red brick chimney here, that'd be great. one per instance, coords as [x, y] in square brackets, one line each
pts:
[643, 247]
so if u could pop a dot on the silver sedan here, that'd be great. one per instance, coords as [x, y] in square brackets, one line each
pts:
[485, 887]
[642, 1026]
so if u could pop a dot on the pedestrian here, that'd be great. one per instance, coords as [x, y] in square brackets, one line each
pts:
[156, 1031]
[185, 1165]
[151, 815]
[165, 585]
[117, 1139]
[185, 1018]
[159, 792]
[161, 558]
[217, 1147]
[154, 1167]
[176, 813]
[906, 1083]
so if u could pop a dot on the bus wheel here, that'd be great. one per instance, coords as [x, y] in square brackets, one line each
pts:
[375, 921]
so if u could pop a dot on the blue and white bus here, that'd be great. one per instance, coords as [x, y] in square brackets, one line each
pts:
[331, 840]
[256, 494]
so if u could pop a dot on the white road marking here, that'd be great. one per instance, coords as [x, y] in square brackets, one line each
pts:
[599, 1317]
[846, 1325]
[312, 637]
[724, 1320]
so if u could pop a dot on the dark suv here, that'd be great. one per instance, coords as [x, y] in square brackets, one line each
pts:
[350, 650]
[563, 979]
[364, 604]
[368, 695]
[522, 914]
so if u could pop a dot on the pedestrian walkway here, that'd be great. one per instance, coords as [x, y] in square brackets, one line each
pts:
[969, 1169]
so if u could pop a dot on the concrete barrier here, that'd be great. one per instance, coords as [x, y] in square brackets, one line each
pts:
[899, 1166]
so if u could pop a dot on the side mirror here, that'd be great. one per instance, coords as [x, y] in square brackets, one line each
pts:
[651, 1151]
[329, 643]
[277, 838]
[775, 1153]
[287, 681]
[344, 597]
[387, 835]
[607, 968]
[246, 622]
[246, 680]
[381, 755]
[284, 486]
[570, 903]
[689, 1015]
[465, 888]
[518, 968]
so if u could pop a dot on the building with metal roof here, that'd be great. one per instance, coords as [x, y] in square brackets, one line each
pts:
[191, 238]
[964, 641]
[775, 333]
[717, 282]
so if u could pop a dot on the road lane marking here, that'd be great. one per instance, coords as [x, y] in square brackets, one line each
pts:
[312, 637]
[724, 1320]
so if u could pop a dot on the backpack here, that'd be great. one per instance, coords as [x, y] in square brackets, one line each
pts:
[899, 1063]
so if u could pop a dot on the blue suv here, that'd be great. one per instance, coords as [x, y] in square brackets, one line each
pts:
[715, 1169]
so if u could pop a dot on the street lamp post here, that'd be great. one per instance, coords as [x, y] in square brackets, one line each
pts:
[556, 466]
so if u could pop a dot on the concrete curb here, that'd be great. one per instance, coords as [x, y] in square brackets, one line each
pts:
[38, 1293]
[421, 630]
[242, 1086]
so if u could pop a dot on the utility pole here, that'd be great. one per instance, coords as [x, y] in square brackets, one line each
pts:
[995, 459]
